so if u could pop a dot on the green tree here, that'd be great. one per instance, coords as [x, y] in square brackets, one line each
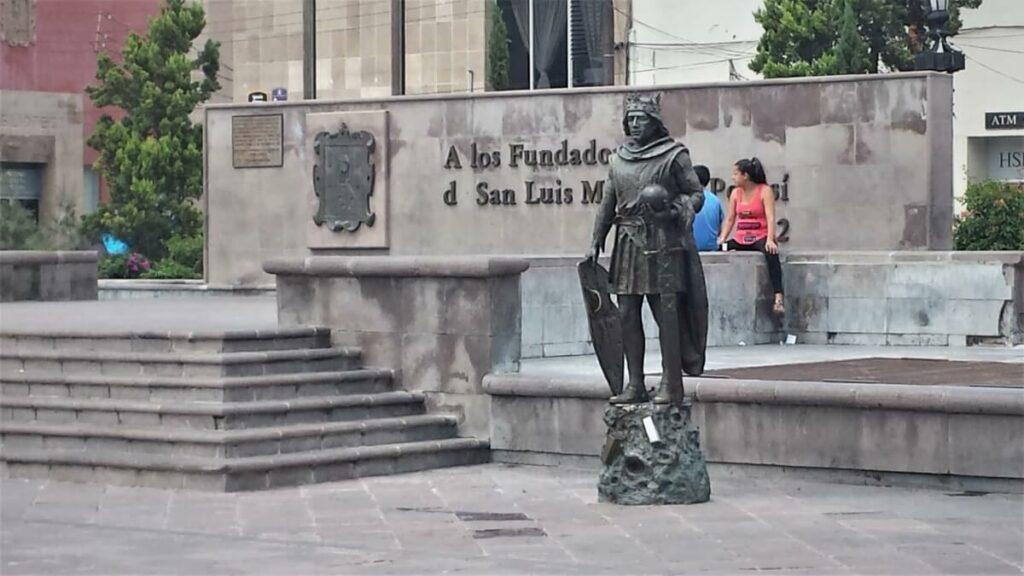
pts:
[851, 51]
[151, 158]
[497, 49]
[800, 39]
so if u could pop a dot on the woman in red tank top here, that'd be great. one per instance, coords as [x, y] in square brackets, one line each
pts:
[752, 210]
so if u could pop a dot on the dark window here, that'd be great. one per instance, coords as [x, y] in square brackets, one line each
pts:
[22, 183]
[593, 43]
[550, 44]
[591, 50]
[516, 16]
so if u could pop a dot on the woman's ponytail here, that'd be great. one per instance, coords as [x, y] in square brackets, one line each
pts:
[753, 169]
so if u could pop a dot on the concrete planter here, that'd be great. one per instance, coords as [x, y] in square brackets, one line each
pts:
[39, 275]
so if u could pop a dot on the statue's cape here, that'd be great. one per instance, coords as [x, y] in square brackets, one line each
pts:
[693, 315]
[632, 152]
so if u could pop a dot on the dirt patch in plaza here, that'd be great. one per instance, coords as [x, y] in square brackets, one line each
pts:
[888, 371]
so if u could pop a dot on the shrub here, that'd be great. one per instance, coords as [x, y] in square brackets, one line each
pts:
[993, 218]
[19, 230]
[184, 259]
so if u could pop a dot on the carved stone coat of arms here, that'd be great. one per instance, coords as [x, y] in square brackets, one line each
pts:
[343, 179]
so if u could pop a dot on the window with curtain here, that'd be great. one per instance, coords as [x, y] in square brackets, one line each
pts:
[562, 31]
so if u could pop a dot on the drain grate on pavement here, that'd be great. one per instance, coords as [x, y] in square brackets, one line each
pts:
[491, 516]
[924, 372]
[508, 532]
[486, 533]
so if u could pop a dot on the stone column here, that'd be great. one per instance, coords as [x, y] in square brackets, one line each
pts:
[441, 322]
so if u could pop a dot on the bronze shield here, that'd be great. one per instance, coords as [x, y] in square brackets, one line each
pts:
[605, 325]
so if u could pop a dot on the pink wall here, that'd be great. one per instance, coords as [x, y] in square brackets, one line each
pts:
[68, 36]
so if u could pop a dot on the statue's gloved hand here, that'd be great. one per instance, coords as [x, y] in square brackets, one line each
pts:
[687, 213]
[594, 252]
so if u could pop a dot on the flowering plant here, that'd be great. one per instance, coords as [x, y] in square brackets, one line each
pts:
[137, 264]
[124, 266]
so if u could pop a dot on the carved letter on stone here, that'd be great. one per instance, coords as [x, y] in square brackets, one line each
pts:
[343, 179]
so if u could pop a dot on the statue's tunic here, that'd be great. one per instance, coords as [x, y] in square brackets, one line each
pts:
[658, 257]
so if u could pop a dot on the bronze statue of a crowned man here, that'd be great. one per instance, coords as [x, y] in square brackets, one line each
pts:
[651, 196]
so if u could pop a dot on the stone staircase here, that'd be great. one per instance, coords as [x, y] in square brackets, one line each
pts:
[225, 411]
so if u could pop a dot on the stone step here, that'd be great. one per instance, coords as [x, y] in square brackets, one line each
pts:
[106, 440]
[210, 415]
[252, 473]
[226, 341]
[217, 389]
[187, 364]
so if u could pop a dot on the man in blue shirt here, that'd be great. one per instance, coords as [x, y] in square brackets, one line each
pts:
[708, 221]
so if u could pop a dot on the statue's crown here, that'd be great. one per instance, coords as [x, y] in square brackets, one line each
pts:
[648, 104]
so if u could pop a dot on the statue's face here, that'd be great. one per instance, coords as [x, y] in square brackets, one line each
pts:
[641, 126]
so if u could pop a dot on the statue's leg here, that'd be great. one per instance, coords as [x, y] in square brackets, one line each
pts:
[630, 307]
[666, 314]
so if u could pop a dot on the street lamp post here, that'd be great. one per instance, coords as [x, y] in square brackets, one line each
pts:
[939, 55]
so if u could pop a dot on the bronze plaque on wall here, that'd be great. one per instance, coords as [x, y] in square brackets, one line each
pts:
[256, 141]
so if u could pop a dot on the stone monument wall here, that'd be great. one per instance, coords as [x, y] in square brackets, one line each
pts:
[860, 162]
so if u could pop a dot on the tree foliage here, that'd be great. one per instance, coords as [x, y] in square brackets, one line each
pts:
[800, 36]
[497, 49]
[19, 230]
[993, 219]
[151, 158]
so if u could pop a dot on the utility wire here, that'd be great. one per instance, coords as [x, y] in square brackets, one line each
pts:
[670, 34]
[1007, 50]
[678, 66]
[991, 69]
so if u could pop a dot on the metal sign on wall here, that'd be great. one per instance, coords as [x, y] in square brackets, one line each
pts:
[256, 141]
[1004, 120]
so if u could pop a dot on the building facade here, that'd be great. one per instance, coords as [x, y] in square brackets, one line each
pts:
[378, 48]
[988, 98]
[48, 51]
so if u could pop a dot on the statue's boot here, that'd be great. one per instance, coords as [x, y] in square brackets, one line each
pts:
[631, 394]
[669, 392]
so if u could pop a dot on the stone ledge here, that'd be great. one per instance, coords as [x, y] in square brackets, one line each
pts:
[16, 257]
[264, 107]
[944, 399]
[398, 266]
[883, 257]
[569, 260]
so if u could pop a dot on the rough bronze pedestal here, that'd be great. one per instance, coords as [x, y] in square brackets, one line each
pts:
[638, 471]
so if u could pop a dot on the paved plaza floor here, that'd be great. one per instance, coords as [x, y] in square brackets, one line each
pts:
[500, 519]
